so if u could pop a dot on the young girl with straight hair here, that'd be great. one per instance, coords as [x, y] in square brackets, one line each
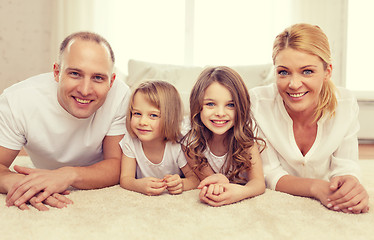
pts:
[152, 159]
[221, 146]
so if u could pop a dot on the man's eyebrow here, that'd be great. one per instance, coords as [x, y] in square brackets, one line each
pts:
[73, 69]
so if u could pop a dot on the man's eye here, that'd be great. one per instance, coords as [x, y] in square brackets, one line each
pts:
[74, 74]
[98, 78]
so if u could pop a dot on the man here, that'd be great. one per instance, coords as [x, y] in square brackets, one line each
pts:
[70, 123]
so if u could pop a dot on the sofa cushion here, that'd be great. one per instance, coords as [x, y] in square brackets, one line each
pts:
[184, 77]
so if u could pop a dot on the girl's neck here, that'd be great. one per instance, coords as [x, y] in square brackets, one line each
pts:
[218, 144]
[154, 150]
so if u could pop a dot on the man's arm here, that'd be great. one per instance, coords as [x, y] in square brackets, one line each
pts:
[7, 178]
[102, 174]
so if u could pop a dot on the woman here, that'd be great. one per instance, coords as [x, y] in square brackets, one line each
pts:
[310, 126]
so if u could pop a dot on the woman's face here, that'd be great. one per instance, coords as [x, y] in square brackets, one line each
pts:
[300, 77]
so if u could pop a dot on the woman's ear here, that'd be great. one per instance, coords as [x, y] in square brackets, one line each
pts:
[328, 72]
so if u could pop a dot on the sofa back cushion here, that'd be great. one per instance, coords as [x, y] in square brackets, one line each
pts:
[184, 77]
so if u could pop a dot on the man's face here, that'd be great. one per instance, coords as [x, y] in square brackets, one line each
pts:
[84, 77]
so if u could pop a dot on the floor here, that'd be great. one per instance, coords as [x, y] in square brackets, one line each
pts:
[366, 151]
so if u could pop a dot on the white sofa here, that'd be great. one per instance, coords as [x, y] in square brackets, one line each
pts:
[184, 77]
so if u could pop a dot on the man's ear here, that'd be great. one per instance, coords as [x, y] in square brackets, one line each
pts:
[56, 72]
[112, 79]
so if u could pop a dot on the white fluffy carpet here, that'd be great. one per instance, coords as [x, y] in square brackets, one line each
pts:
[115, 213]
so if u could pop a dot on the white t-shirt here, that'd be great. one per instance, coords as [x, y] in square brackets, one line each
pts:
[334, 151]
[215, 162]
[31, 116]
[172, 161]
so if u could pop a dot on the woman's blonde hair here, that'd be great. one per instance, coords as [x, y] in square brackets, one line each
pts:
[166, 98]
[240, 137]
[312, 40]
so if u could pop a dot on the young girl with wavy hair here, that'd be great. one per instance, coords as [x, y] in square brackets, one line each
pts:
[221, 146]
[152, 159]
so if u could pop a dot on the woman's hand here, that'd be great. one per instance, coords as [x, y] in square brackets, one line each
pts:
[348, 195]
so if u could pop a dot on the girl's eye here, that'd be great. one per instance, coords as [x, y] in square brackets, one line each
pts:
[153, 115]
[231, 105]
[210, 104]
[282, 72]
[307, 72]
[136, 114]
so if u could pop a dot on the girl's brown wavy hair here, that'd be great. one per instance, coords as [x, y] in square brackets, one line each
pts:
[240, 137]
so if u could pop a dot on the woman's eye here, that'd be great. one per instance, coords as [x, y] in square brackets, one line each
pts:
[307, 72]
[282, 72]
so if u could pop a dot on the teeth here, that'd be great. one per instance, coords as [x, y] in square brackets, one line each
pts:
[220, 122]
[296, 94]
[82, 101]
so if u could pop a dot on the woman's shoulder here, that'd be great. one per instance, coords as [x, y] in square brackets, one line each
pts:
[345, 94]
[260, 93]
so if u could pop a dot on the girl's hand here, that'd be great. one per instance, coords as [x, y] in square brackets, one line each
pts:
[174, 184]
[217, 178]
[221, 194]
[348, 195]
[152, 186]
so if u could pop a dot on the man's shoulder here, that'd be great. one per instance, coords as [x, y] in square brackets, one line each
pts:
[34, 82]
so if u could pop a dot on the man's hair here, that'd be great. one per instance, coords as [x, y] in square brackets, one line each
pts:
[86, 36]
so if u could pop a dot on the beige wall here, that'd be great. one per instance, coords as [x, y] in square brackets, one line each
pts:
[25, 40]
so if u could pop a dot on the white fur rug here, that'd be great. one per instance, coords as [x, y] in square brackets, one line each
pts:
[115, 213]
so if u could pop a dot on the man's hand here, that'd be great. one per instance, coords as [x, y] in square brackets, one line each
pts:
[38, 183]
[55, 200]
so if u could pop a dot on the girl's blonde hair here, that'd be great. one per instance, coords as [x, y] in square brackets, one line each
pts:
[240, 137]
[312, 40]
[166, 98]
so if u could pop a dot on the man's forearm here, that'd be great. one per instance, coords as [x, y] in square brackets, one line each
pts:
[102, 174]
[7, 179]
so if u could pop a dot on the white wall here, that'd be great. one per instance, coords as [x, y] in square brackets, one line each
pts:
[25, 36]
